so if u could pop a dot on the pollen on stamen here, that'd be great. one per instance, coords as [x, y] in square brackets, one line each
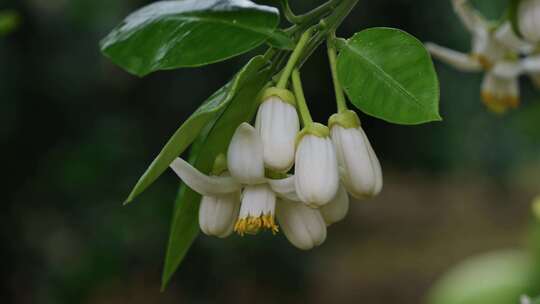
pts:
[499, 104]
[252, 225]
[483, 60]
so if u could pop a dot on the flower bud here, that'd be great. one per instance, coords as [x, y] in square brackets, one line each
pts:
[528, 16]
[500, 93]
[316, 170]
[245, 155]
[277, 123]
[217, 214]
[257, 210]
[304, 227]
[360, 169]
[337, 209]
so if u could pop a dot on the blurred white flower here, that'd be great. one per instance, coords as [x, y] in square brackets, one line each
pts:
[495, 50]
[525, 300]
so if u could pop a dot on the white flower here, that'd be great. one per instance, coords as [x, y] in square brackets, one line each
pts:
[495, 51]
[359, 167]
[528, 16]
[277, 123]
[337, 209]
[304, 227]
[220, 202]
[257, 210]
[500, 88]
[221, 211]
[316, 170]
[245, 156]
[525, 300]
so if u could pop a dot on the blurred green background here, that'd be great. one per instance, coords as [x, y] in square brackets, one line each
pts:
[77, 132]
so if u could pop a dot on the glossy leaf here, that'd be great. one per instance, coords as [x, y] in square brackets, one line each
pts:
[186, 33]
[213, 141]
[191, 128]
[388, 74]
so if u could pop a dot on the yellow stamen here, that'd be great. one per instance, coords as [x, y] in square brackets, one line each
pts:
[499, 104]
[483, 60]
[252, 224]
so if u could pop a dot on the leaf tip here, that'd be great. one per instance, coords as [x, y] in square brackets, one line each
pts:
[163, 287]
[130, 198]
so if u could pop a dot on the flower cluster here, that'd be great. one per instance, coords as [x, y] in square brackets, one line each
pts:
[499, 52]
[278, 177]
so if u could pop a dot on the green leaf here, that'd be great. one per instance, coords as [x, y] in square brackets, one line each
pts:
[212, 142]
[499, 277]
[388, 74]
[187, 33]
[191, 128]
[184, 230]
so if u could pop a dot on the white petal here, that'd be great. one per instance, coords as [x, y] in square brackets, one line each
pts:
[277, 123]
[507, 69]
[316, 171]
[486, 49]
[472, 20]
[529, 20]
[304, 227]
[284, 188]
[217, 214]
[201, 183]
[505, 35]
[245, 155]
[359, 166]
[337, 209]
[500, 87]
[531, 64]
[460, 61]
[257, 200]
[500, 93]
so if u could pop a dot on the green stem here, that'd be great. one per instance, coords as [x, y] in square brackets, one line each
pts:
[289, 15]
[340, 97]
[330, 23]
[301, 99]
[282, 83]
[308, 17]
